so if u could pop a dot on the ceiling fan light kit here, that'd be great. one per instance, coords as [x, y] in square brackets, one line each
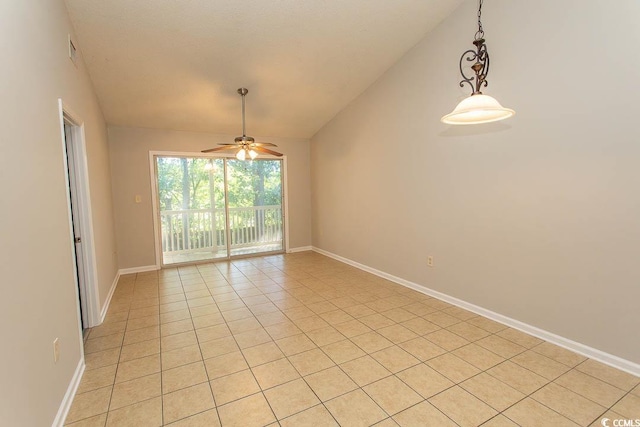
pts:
[477, 108]
[248, 148]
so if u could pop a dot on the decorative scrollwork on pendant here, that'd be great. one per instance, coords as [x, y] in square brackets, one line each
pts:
[480, 59]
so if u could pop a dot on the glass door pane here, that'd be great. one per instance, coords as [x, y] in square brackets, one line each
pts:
[192, 209]
[255, 206]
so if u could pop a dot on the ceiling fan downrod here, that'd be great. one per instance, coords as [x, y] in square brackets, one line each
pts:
[243, 92]
[244, 139]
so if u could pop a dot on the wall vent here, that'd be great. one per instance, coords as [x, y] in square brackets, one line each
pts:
[73, 52]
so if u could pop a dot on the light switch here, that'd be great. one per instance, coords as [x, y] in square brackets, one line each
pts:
[138, 198]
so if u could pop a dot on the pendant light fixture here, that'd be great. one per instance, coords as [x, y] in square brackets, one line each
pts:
[477, 108]
[247, 146]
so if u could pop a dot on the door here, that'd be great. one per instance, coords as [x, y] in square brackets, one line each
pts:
[191, 199]
[255, 206]
[75, 220]
[216, 208]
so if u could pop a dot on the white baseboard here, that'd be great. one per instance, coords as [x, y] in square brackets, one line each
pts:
[105, 307]
[122, 271]
[140, 269]
[590, 352]
[300, 249]
[65, 405]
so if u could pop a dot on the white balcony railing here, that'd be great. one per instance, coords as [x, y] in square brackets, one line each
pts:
[194, 230]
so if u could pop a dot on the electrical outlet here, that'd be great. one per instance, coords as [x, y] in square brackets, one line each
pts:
[430, 261]
[56, 350]
[138, 198]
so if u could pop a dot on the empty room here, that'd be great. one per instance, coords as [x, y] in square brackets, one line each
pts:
[320, 213]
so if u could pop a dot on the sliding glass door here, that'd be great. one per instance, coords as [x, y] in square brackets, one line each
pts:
[255, 206]
[191, 199]
[212, 208]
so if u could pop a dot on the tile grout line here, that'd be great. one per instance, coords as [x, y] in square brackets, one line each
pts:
[189, 308]
[215, 405]
[113, 386]
[286, 357]
[246, 362]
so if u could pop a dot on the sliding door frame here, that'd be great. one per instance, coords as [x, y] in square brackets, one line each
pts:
[157, 229]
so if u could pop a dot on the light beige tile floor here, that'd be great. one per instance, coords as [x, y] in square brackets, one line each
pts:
[303, 340]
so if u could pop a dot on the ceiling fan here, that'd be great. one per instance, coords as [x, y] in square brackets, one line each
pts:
[246, 145]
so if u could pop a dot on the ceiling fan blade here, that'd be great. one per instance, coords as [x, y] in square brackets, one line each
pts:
[227, 143]
[226, 147]
[264, 144]
[266, 150]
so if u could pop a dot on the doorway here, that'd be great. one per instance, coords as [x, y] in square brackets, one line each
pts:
[76, 227]
[212, 208]
[80, 224]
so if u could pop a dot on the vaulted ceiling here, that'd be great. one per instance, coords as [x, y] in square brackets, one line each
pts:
[176, 64]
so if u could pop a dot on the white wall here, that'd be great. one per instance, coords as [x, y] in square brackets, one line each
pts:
[536, 218]
[39, 297]
[130, 149]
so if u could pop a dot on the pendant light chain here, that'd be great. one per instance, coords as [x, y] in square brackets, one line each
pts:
[479, 57]
[480, 32]
[477, 108]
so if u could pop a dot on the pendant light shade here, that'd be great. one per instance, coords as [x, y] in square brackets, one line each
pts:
[476, 109]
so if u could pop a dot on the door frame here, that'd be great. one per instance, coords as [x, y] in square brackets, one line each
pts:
[89, 298]
[157, 232]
